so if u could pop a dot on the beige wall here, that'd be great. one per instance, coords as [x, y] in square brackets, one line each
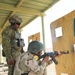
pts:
[34, 37]
[64, 43]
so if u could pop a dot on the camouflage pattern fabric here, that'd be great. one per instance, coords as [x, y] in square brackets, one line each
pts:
[9, 48]
[7, 34]
[27, 64]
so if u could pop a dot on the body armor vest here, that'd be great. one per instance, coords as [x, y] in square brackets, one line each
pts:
[17, 41]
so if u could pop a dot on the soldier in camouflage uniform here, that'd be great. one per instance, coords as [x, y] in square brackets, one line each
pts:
[12, 43]
[28, 63]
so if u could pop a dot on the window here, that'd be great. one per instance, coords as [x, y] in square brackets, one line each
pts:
[58, 32]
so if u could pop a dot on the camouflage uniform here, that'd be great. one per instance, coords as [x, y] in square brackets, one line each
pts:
[27, 65]
[10, 47]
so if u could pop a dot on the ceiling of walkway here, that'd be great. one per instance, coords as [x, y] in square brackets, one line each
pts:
[28, 10]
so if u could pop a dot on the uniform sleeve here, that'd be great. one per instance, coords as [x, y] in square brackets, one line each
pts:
[37, 69]
[6, 42]
[49, 62]
[22, 51]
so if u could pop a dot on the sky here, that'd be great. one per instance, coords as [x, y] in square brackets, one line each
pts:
[61, 8]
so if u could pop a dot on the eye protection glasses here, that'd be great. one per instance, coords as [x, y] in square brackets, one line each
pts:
[18, 23]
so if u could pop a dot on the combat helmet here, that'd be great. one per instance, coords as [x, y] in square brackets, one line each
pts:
[15, 19]
[35, 47]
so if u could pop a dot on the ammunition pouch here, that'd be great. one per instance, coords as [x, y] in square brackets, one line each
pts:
[20, 42]
[17, 41]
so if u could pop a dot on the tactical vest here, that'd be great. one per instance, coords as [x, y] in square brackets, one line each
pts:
[17, 41]
[14, 43]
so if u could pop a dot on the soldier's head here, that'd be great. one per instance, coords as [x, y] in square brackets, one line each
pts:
[35, 47]
[15, 21]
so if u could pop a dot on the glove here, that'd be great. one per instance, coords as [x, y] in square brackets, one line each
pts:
[11, 61]
[46, 59]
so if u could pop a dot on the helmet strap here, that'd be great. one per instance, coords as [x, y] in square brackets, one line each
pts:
[35, 54]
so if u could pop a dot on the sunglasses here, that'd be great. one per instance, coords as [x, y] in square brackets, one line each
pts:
[18, 23]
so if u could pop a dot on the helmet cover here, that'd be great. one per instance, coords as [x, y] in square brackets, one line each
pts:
[35, 47]
[15, 19]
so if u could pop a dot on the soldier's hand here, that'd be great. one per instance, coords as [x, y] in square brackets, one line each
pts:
[59, 54]
[46, 59]
[11, 61]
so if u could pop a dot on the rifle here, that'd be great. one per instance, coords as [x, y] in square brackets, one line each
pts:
[52, 55]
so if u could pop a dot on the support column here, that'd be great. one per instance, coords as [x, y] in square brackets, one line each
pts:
[43, 30]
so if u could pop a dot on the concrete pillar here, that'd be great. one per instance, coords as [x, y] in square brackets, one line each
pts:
[43, 30]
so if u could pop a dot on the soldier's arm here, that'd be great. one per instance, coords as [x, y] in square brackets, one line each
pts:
[6, 42]
[35, 67]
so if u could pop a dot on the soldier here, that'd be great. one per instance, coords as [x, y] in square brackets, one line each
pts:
[12, 42]
[28, 63]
